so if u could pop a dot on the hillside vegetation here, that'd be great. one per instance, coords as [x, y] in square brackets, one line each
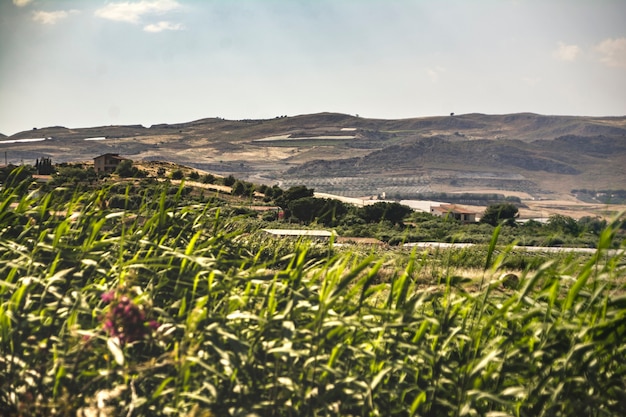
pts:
[543, 156]
[180, 305]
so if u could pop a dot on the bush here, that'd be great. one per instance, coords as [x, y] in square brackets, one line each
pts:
[208, 179]
[229, 181]
[12, 174]
[131, 202]
[126, 170]
[70, 175]
[177, 174]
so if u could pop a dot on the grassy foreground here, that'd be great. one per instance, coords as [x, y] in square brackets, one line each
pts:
[172, 310]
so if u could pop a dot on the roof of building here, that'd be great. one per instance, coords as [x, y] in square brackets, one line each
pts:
[359, 240]
[421, 205]
[112, 155]
[300, 232]
[451, 208]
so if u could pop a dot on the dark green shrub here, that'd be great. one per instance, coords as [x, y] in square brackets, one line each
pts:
[208, 179]
[131, 202]
[177, 174]
[12, 175]
[229, 181]
[70, 175]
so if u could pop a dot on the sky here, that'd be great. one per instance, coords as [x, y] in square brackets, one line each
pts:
[84, 63]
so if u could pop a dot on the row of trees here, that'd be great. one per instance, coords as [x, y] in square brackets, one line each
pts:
[299, 204]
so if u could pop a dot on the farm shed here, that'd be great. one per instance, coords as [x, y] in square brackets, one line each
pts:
[107, 162]
[363, 241]
[424, 206]
[296, 233]
[454, 211]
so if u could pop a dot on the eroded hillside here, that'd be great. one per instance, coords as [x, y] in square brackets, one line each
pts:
[539, 155]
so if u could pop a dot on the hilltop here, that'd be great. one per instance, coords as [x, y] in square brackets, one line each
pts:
[533, 155]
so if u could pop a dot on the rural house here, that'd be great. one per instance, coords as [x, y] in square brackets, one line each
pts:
[456, 212]
[107, 162]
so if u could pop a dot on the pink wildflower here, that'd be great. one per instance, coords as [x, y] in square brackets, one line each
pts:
[125, 319]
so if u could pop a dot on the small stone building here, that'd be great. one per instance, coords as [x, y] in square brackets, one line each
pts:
[107, 163]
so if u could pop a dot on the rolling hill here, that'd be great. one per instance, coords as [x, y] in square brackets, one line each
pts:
[542, 156]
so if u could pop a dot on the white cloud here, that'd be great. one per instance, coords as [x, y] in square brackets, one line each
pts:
[435, 73]
[567, 52]
[50, 18]
[21, 3]
[132, 12]
[613, 52]
[161, 26]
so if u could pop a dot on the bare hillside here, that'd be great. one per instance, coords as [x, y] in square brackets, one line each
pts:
[530, 153]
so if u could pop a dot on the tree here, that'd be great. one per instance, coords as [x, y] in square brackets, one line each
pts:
[293, 193]
[239, 188]
[243, 188]
[323, 210]
[263, 189]
[125, 168]
[563, 224]
[44, 166]
[297, 192]
[271, 193]
[393, 212]
[275, 192]
[284, 199]
[332, 212]
[500, 213]
[593, 225]
[229, 181]
[304, 209]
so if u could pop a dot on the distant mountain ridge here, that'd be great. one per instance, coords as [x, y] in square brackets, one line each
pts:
[360, 156]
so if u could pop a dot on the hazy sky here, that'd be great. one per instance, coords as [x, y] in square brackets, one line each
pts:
[91, 62]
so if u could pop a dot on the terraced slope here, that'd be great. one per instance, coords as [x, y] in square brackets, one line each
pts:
[539, 155]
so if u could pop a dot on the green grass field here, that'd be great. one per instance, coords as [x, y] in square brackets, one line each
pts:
[175, 309]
